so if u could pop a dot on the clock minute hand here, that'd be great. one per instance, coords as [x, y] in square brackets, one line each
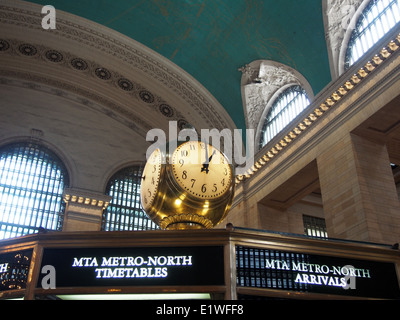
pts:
[209, 159]
[206, 155]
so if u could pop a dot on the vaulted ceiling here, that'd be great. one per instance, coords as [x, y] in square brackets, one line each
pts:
[212, 39]
[113, 70]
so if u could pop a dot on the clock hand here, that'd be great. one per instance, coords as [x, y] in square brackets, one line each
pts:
[207, 163]
[209, 160]
[206, 155]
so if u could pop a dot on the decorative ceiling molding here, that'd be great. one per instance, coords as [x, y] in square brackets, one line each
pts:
[37, 54]
[111, 53]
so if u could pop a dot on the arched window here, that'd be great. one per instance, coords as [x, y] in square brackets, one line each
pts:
[290, 103]
[32, 180]
[376, 20]
[125, 212]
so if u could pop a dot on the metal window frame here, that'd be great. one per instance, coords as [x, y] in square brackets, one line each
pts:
[32, 180]
[314, 227]
[125, 212]
[368, 32]
[286, 107]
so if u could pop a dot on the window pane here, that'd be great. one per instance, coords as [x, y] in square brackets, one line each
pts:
[379, 17]
[125, 212]
[314, 227]
[32, 179]
[289, 104]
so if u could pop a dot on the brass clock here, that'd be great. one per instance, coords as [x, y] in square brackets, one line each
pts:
[192, 188]
[151, 179]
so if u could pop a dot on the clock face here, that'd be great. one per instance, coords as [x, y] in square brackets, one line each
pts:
[150, 179]
[201, 170]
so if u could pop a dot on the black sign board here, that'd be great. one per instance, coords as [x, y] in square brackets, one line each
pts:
[14, 269]
[302, 272]
[145, 266]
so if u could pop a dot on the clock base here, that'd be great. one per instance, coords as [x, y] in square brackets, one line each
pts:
[185, 226]
[185, 221]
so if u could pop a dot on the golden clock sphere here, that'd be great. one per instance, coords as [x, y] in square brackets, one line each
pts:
[191, 188]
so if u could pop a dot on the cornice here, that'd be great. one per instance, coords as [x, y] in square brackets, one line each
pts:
[328, 101]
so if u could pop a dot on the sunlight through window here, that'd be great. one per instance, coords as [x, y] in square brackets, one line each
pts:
[289, 104]
[32, 180]
[125, 212]
[379, 17]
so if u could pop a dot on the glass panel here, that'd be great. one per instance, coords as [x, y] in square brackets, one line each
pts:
[32, 179]
[314, 227]
[125, 212]
[286, 107]
[379, 17]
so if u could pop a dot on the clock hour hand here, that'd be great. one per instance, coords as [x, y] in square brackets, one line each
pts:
[207, 163]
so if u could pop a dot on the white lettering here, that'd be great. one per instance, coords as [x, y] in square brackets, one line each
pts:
[117, 273]
[269, 264]
[139, 261]
[85, 262]
[152, 261]
[3, 267]
[130, 262]
[184, 311]
[122, 267]
[325, 269]
[187, 260]
[312, 279]
[171, 261]
[164, 262]
[277, 264]
[106, 262]
[365, 273]
[337, 276]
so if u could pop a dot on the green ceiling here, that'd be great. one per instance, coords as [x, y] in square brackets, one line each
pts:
[211, 39]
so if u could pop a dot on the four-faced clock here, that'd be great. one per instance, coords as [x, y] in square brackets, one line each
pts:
[190, 188]
[201, 170]
[150, 179]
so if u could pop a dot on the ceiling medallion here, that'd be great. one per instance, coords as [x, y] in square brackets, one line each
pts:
[79, 64]
[54, 56]
[103, 73]
[166, 110]
[27, 49]
[125, 84]
[183, 124]
[4, 45]
[146, 96]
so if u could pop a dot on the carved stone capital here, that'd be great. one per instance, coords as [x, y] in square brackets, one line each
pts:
[83, 210]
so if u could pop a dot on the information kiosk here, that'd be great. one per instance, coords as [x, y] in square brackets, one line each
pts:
[230, 264]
